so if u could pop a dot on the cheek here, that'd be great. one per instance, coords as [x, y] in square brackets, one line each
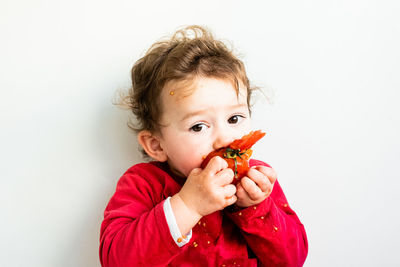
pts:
[185, 164]
[192, 158]
[185, 156]
[247, 125]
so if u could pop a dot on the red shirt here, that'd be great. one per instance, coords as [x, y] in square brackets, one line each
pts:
[135, 231]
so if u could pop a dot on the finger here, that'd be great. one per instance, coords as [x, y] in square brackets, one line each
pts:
[224, 177]
[230, 201]
[229, 190]
[215, 165]
[269, 172]
[240, 192]
[253, 191]
[260, 179]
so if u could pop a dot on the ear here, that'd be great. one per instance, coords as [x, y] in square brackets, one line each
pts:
[151, 144]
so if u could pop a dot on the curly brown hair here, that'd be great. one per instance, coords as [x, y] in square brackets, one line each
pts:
[191, 52]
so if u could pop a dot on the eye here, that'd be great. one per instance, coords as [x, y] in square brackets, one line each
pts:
[235, 119]
[198, 127]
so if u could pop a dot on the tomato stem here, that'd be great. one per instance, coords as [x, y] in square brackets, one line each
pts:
[233, 154]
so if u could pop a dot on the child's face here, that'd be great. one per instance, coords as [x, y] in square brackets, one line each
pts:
[210, 117]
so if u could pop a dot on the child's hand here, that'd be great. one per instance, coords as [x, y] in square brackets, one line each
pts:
[208, 190]
[256, 186]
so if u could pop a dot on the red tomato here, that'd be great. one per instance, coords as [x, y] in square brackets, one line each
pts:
[237, 154]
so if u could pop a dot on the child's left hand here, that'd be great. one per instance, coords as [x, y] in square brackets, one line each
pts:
[256, 186]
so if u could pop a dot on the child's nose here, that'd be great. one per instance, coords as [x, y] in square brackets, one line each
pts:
[222, 140]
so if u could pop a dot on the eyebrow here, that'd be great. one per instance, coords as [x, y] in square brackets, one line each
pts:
[198, 112]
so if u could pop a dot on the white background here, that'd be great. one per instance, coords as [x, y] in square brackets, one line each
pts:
[333, 125]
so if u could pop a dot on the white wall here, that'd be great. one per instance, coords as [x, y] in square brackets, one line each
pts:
[333, 128]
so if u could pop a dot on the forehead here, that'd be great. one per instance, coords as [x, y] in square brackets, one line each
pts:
[202, 92]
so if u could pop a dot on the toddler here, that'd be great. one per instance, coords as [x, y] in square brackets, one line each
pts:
[190, 96]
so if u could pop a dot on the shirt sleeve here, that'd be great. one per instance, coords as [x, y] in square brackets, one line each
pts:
[135, 231]
[179, 239]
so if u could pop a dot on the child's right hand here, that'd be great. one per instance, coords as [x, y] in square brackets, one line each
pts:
[208, 190]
